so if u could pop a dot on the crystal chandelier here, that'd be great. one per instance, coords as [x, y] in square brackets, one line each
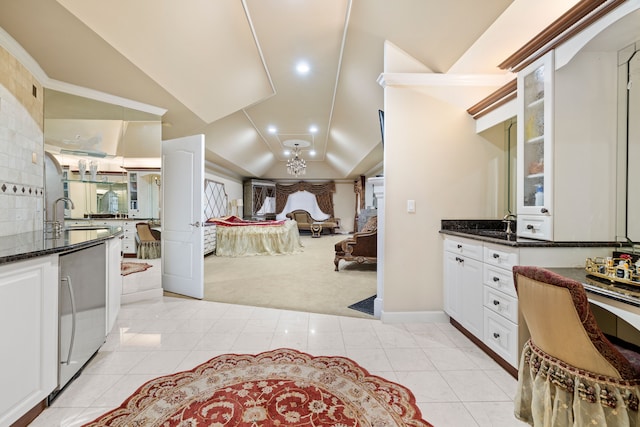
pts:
[297, 165]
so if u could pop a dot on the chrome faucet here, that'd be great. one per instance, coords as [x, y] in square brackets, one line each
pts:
[56, 224]
[508, 218]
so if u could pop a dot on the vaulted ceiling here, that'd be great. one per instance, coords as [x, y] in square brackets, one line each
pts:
[227, 68]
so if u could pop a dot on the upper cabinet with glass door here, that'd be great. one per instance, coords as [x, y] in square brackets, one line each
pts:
[535, 148]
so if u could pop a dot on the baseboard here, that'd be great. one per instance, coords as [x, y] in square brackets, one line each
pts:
[140, 296]
[414, 317]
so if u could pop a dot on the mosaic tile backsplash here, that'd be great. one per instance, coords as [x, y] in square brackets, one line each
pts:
[21, 149]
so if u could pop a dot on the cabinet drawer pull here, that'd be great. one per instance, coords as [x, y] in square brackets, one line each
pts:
[544, 210]
[496, 255]
[496, 302]
[496, 335]
[529, 226]
[496, 279]
[459, 246]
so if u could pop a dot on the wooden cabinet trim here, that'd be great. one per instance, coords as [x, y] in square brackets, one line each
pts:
[583, 14]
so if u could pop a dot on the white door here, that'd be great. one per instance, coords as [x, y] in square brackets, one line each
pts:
[182, 235]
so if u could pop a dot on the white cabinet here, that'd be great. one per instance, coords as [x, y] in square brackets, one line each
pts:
[29, 330]
[535, 149]
[209, 232]
[463, 284]
[129, 237]
[500, 302]
[567, 148]
[144, 193]
[114, 281]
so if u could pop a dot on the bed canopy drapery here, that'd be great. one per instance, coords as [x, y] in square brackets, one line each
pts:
[323, 192]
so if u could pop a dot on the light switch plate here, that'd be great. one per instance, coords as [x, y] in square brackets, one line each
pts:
[411, 206]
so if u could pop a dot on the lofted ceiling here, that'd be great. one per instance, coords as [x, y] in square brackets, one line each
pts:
[226, 68]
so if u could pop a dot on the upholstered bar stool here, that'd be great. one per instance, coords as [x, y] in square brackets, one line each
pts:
[570, 374]
[147, 242]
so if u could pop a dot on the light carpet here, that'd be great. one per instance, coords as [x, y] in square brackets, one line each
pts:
[304, 281]
[282, 387]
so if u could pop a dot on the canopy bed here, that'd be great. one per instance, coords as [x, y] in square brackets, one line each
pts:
[238, 237]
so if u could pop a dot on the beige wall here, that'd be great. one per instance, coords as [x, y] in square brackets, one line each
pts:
[344, 204]
[21, 148]
[433, 156]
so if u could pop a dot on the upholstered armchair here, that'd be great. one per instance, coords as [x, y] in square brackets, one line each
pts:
[305, 220]
[361, 247]
[147, 241]
[570, 374]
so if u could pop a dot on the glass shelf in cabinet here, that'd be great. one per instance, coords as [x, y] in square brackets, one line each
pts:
[536, 139]
[536, 103]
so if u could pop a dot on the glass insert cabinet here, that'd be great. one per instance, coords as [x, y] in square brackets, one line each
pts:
[535, 114]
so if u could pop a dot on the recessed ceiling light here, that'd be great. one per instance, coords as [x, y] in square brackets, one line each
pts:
[302, 67]
[312, 152]
[272, 129]
[313, 129]
[287, 152]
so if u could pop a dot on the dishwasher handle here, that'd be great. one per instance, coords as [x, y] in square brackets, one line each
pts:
[72, 299]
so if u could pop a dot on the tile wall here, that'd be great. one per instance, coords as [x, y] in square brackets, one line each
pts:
[21, 148]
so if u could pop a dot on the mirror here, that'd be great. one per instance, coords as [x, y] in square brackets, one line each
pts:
[629, 143]
[113, 138]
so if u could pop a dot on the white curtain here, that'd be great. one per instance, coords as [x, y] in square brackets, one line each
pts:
[305, 201]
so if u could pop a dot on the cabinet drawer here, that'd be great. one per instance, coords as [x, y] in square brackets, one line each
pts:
[501, 303]
[464, 247]
[535, 227]
[128, 248]
[500, 279]
[500, 256]
[501, 336]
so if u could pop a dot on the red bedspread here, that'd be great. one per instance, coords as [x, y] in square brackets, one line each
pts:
[234, 221]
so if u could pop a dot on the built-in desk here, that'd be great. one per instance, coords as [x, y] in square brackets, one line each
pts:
[622, 301]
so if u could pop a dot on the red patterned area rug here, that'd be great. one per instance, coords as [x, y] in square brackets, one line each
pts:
[133, 267]
[277, 388]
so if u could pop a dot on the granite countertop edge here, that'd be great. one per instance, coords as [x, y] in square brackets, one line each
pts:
[468, 228]
[531, 243]
[35, 244]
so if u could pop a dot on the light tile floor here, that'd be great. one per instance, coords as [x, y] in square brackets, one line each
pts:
[454, 382]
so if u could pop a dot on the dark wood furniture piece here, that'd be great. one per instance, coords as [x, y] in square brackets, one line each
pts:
[361, 247]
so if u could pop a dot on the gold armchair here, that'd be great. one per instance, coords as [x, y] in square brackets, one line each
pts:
[570, 374]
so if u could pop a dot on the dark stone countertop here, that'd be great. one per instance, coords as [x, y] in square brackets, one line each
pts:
[493, 231]
[23, 246]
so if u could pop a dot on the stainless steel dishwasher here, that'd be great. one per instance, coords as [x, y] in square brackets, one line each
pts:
[82, 310]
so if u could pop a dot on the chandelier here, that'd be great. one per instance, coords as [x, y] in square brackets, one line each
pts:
[296, 166]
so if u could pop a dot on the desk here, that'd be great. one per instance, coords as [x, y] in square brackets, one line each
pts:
[622, 301]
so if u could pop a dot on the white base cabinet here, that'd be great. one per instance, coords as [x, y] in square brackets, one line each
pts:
[463, 284]
[29, 330]
[209, 233]
[479, 292]
[114, 281]
[501, 302]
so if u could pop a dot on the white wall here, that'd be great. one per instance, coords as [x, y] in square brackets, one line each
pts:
[433, 156]
[344, 206]
[232, 186]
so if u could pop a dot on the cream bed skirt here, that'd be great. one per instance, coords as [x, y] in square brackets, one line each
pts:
[251, 240]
